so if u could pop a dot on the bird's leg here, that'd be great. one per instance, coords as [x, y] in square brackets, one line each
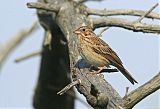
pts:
[100, 69]
[96, 70]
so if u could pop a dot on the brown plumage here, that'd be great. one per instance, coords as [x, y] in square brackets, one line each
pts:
[98, 53]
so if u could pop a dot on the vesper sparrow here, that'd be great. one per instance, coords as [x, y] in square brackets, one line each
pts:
[98, 53]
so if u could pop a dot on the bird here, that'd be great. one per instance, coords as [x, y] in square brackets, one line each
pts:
[97, 52]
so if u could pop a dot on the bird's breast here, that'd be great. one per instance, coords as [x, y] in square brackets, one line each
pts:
[92, 57]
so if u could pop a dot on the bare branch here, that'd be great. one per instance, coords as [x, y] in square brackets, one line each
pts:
[44, 6]
[28, 56]
[148, 12]
[143, 91]
[15, 41]
[124, 23]
[112, 12]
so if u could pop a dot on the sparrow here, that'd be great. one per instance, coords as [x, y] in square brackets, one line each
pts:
[98, 53]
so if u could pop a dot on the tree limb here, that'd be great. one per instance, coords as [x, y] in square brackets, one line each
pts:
[101, 22]
[126, 24]
[113, 12]
[13, 42]
[47, 6]
[117, 22]
[142, 92]
[55, 8]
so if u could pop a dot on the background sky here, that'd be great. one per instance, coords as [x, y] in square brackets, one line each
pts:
[138, 51]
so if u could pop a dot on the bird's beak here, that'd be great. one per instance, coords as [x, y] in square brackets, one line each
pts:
[76, 32]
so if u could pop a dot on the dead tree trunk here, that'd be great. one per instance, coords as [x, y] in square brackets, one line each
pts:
[54, 68]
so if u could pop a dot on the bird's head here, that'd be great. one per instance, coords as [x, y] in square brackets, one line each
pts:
[84, 31]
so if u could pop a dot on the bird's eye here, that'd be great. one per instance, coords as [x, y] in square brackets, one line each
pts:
[83, 29]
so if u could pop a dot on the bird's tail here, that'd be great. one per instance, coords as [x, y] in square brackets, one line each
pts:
[126, 74]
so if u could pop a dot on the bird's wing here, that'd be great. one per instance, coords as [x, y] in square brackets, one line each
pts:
[103, 48]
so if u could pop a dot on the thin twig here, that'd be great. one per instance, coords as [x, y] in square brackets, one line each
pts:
[13, 42]
[103, 30]
[115, 12]
[69, 86]
[28, 56]
[146, 13]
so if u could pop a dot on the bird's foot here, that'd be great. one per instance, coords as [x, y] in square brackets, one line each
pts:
[100, 69]
[96, 70]
[95, 73]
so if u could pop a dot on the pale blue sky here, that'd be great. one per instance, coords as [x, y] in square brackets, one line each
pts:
[138, 51]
